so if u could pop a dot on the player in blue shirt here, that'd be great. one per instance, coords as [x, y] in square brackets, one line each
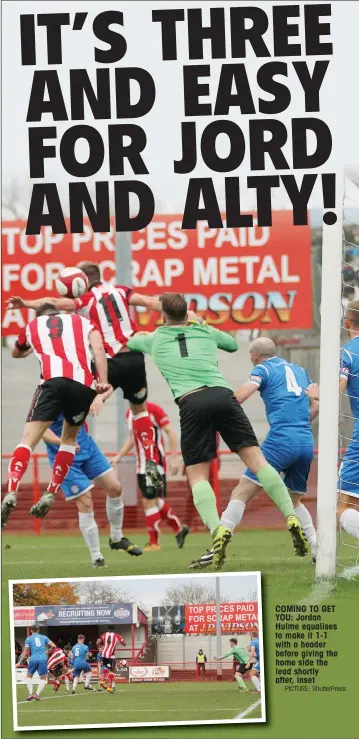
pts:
[79, 655]
[89, 465]
[348, 483]
[254, 652]
[289, 445]
[35, 651]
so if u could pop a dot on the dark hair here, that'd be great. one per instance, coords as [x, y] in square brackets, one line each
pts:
[233, 640]
[92, 272]
[46, 309]
[81, 636]
[174, 306]
[352, 313]
[35, 627]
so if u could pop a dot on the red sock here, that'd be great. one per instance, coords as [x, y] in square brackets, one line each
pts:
[111, 679]
[61, 466]
[166, 512]
[104, 674]
[153, 519]
[144, 431]
[18, 465]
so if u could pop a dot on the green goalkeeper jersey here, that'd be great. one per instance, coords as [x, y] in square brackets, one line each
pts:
[186, 355]
[240, 654]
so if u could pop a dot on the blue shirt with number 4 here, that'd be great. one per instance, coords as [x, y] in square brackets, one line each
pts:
[282, 386]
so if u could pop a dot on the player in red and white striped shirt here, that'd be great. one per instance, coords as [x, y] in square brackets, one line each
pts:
[109, 309]
[62, 344]
[155, 506]
[58, 666]
[110, 641]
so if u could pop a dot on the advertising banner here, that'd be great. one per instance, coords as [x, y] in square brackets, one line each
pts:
[234, 277]
[24, 616]
[114, 613]
[168, 619]
[235, 617]
[21, 677]
[149, 673]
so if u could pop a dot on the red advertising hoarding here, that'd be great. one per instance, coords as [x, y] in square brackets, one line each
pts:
[24, 616]
[235, 617]
[234, 277]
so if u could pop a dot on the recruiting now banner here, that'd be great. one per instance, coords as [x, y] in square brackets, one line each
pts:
[235, 617]
[149, 674]
[116, 613]
[234, 277]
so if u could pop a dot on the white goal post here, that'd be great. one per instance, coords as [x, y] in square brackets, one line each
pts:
[330, 327]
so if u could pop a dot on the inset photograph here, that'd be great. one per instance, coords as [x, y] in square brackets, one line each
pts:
[167, 650]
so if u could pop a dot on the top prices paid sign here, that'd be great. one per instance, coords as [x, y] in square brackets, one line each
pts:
[235, 617]
[234, 277]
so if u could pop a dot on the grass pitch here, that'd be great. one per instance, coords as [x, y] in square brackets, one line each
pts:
[139, 703]
[271, 552]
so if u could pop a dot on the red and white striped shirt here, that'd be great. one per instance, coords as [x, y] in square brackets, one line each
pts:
[56, 657]
[110, 641]
[108, 308]
[159, 419]
[61, 344]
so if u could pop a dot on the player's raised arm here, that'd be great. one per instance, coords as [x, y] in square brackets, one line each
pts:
[223, 340]
[149, 302]
[66, 304]
[141, 342]
[100, 360]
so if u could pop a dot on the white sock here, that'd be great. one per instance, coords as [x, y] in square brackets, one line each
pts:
[89, 531]
[256, 682]
[67, 683]
[233, 514]
[29, 685]
[114, 512]
[40, 686]
[74, 684]
[349, 521]
[308, 526]
[88, 679]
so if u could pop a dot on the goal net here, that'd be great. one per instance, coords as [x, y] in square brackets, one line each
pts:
[338, 550]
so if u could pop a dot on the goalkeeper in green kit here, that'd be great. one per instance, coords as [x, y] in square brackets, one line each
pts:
[242, 658]
[186, 355]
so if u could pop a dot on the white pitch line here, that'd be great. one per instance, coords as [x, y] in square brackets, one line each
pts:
[77, 695]
[248, 710]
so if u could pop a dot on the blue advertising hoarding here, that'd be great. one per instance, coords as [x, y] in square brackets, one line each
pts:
[107, 614]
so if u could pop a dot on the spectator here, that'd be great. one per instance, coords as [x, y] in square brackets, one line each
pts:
[201, 659]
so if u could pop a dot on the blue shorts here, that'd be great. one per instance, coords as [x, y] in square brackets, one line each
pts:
[82, 667]
[99, 657]
[290, 456]
[257, 666]
[83, 471]
[37, 665]
[348, 480]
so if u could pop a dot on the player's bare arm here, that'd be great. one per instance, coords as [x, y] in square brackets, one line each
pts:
[25, 654]
[18, 353]
[149, 302]
[125, 449]
[100, 360]
[313, 391]
[97, 405]
[66, 304]
[245, 392]
[174, 462]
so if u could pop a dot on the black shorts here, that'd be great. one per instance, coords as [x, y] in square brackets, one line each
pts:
[109, 663]
[241, 668]
[57, 670]
[206, 412]
[150, 492]
[61, 396]
[127, 370]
